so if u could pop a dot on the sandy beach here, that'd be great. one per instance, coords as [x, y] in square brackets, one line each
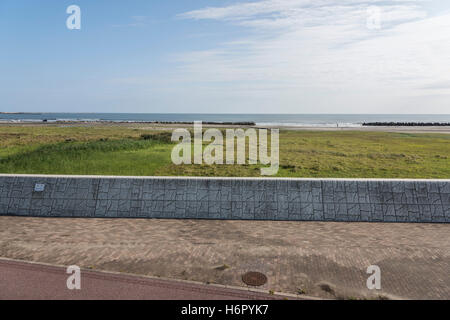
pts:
[172, 126]
[444, 129]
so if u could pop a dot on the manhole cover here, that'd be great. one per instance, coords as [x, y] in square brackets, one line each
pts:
[255, 279]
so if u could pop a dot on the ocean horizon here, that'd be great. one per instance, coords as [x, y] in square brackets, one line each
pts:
[319, 120]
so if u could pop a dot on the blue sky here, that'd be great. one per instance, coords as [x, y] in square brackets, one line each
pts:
[210, 56]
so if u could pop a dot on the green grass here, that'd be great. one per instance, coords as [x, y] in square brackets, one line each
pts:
[115, 157]
[120, 150]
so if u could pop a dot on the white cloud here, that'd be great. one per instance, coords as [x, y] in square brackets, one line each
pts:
[319, 56]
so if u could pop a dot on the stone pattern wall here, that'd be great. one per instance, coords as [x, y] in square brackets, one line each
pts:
[210, 198]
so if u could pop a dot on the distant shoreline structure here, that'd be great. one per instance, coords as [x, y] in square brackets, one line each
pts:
[250, 124]
[34, 113]
[203, 122]
[407, 124]
[230, 123]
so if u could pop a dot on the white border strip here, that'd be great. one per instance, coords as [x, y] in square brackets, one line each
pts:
[218, 178]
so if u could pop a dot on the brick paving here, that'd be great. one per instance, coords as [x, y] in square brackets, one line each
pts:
[312, 257]
[31, 281]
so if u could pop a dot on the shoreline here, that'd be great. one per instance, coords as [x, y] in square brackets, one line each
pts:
[289, 127]
[399, 129]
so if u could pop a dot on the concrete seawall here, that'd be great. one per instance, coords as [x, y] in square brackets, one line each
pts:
[226, 198]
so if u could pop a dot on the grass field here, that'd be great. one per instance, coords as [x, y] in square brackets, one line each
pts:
[119, 150]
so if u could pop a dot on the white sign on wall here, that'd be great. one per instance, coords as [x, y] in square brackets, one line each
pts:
[39, 187]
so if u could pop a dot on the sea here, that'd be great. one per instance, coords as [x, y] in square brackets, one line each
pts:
[294, 120]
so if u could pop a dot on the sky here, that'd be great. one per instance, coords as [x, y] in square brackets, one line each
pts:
[231, 56]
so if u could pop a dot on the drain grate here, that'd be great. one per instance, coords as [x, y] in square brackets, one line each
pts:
[254, 279]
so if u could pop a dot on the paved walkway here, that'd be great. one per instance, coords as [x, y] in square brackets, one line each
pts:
[22, 280]
[322, 259]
